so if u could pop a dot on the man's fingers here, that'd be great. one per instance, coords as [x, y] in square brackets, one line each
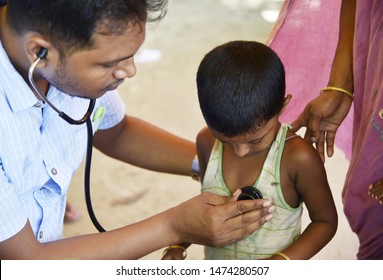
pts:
[253, 209]
[215, 199]
[246, 216]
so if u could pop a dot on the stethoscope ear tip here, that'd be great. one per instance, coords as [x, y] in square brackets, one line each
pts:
[42, 54]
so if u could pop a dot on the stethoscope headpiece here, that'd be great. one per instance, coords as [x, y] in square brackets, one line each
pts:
[42, 55]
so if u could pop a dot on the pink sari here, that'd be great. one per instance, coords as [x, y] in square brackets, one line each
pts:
[305, 37]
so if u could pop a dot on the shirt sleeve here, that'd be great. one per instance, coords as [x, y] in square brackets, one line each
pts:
[114, 109]
[12, 215]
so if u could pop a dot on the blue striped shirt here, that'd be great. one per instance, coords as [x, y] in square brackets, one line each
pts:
[40, 152]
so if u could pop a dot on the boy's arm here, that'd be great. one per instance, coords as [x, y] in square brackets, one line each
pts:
[307, 171]
[204, 142]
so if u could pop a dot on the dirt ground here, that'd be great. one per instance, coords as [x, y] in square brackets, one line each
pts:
[164, 93]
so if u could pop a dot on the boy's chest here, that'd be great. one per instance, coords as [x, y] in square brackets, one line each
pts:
[239, 172]
[253, 171]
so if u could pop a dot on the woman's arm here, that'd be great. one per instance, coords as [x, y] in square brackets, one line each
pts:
[323, 115]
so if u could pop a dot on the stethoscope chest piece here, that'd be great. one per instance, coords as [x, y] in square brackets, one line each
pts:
[250, 192]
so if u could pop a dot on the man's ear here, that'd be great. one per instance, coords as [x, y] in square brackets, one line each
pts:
[285, 103]
[34, 48]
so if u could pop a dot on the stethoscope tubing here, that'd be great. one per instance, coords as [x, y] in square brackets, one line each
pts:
[88, 161]
[68, 119]
[85, 119]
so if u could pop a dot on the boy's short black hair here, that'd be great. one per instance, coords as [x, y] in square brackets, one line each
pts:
[70, 24]
[241, 86]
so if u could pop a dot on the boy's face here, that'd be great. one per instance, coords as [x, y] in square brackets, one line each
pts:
[253, 143]
[90, 73]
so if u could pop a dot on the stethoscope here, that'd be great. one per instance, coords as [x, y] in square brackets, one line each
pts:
[85, 119]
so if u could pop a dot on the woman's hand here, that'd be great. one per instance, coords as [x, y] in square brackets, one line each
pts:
[376, 190]
[322, 117]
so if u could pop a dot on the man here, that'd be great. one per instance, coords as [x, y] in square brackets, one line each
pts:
[83, 50]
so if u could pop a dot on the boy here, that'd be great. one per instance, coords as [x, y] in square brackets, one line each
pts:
[241, 90]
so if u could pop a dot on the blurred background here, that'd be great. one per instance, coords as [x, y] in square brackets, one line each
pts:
[164, 93]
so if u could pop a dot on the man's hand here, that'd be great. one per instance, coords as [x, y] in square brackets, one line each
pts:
[214, 220]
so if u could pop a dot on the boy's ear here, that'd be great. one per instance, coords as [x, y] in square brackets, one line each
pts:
[285, 102]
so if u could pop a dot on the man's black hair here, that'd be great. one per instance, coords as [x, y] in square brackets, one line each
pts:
[70, 24]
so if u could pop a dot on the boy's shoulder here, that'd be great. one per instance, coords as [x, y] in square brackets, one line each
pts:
[205, 139]
[298, 150]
